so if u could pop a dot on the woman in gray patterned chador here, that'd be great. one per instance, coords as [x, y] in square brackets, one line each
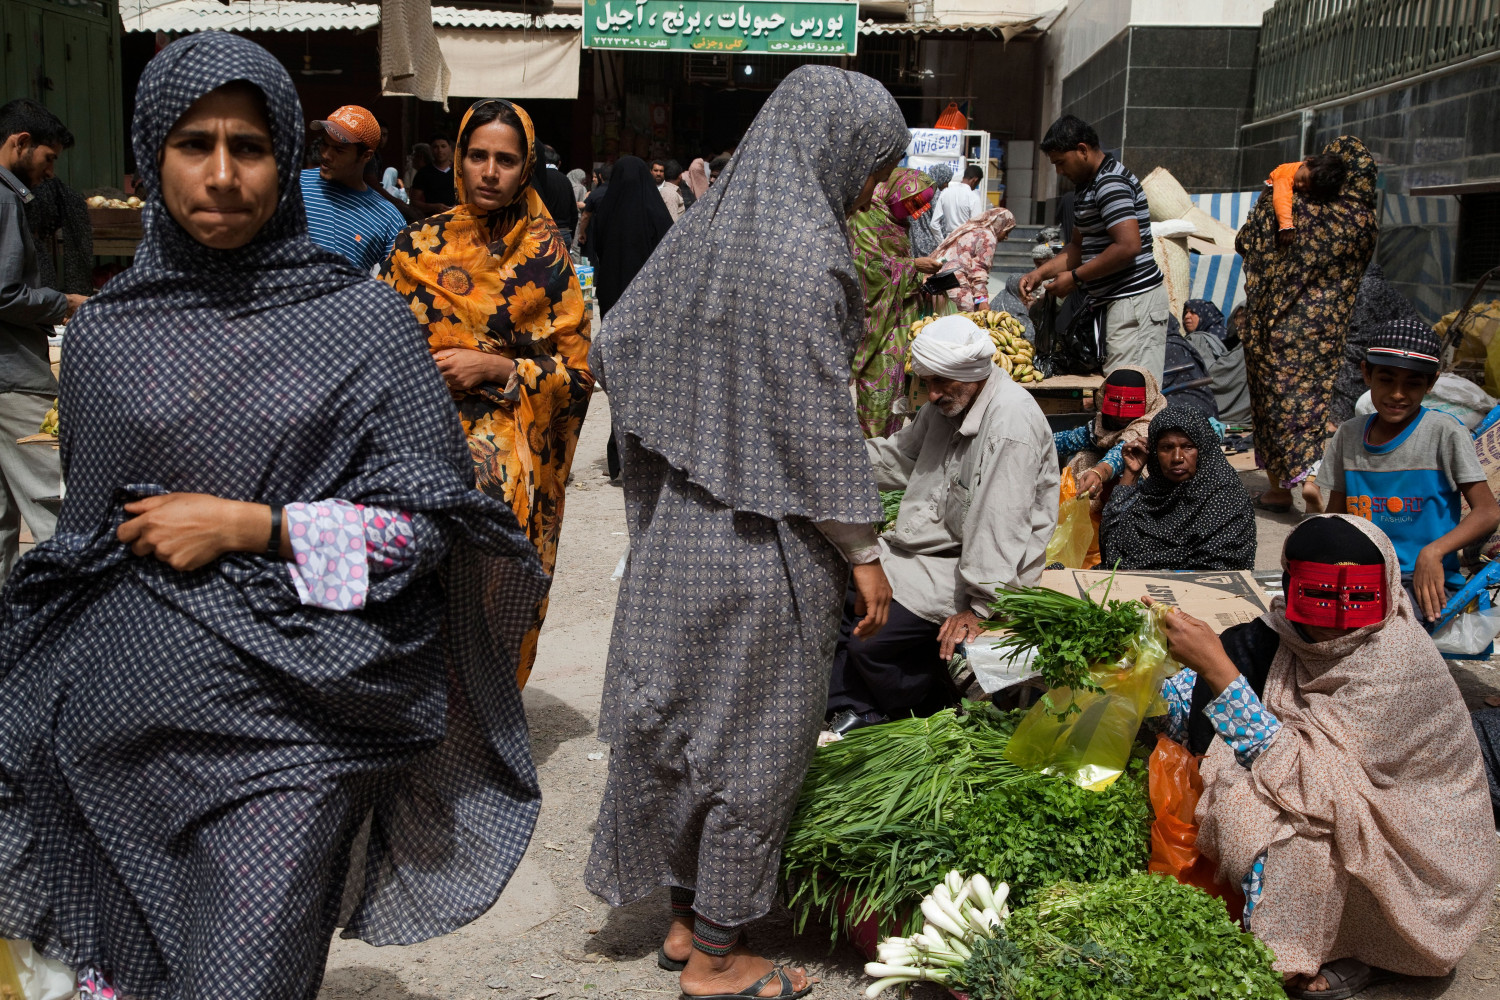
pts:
[200, 702]
[748, 495]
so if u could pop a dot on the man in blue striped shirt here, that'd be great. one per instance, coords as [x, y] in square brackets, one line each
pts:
[343, 214]
[1109, 257]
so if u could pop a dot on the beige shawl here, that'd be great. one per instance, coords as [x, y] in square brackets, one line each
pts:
[1371, 801]
[1105, 439]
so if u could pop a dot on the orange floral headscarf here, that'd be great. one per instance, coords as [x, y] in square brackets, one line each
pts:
[498, 281]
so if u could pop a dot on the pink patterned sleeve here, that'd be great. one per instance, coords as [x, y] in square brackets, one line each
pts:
[337, 545]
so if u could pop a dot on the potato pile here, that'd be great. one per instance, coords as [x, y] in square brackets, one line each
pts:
[1013, 352]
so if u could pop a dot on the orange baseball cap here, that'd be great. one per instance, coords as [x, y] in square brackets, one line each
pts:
[351, 124]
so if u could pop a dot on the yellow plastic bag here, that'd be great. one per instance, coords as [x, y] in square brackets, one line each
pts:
[1090, 746]
[1074, 534]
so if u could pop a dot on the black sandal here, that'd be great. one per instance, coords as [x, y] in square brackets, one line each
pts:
[753, 990]
[1346, 977]
[668, 964]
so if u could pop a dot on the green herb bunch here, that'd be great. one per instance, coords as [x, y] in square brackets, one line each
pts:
[890, 502]
[1138, 937]
[1070, 634]
[871, 833]
[1043, 829]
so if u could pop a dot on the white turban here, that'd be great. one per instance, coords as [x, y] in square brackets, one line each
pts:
[953, 348]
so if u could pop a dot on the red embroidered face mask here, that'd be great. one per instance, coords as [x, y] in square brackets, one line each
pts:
[1126, 401]
[1335, 596]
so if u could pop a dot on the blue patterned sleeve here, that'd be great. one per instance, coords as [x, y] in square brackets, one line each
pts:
[1177, 691]
[1242, 721]
[1115, 459]
[1070, 442]
[337, 546]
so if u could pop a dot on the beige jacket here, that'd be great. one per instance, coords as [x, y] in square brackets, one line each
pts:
[980, 504]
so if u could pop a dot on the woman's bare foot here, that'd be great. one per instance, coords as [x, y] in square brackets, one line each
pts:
[707, 975]
[1309, 984]
[1274, 498]
[679, 943]
[1313, 498]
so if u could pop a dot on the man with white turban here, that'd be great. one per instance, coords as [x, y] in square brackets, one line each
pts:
[980, 476]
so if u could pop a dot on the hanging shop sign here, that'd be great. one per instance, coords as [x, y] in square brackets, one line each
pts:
[798, 27]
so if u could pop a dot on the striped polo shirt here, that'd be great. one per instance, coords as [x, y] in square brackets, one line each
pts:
[358, 225]
[1113, 196]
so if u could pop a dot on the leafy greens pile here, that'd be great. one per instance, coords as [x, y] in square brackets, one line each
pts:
[890, 503]
[1139, 937]
[1070, 634]
[889, 810]
[872, 823]
[1041, 830]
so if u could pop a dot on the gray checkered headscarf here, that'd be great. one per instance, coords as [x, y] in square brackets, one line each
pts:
[180, 74]
[729, 353]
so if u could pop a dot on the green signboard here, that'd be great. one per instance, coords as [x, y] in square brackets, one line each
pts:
[799, 27]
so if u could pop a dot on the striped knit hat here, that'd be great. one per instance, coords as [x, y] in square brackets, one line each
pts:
[1405, 343]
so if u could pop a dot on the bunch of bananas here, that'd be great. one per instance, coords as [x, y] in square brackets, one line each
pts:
[49, 422]
[1013, 352]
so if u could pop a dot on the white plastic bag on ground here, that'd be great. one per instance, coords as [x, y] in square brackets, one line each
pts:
[39, 977]
[1469, 634]
[996, 669]
[1463, 399]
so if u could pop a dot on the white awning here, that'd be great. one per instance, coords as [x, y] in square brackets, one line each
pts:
[186, 16]
[511, 64]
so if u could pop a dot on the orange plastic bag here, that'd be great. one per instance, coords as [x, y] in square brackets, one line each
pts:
[1176, 787]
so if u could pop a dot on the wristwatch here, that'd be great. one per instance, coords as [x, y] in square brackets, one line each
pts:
[273, 543]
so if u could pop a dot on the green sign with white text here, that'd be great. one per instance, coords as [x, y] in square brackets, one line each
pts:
[811, 28]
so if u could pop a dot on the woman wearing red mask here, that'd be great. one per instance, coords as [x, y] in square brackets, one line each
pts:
[1345, 793]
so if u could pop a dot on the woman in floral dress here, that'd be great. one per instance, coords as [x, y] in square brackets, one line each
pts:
[892, 281]
[492, 282]
[1299, 299]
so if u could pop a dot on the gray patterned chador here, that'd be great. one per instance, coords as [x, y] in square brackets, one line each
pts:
[187, 754]
[727, 367]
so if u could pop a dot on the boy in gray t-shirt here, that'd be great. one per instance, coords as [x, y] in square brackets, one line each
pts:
[1404, 467]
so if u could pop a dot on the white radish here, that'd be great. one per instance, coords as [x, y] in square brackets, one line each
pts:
[935, 913]
[881, 985]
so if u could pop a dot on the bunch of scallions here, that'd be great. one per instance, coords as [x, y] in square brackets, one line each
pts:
[1072, 636]
[958, 912]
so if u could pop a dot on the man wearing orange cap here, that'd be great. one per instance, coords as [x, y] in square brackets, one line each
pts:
[343, 214]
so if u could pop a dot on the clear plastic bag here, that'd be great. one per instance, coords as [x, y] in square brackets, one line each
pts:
[27, 974]
[1091, 745]
[1469, 634]
[1074, 534]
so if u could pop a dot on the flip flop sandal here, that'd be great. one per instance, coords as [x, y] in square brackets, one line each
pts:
[668, 964]
[1346, 977]
[753, 990]
[1274, 508]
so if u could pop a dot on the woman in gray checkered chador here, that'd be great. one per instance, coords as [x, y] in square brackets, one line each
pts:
[748, 495]
[230, 656]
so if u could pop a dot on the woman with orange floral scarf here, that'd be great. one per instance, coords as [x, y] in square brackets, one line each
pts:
[492, 282]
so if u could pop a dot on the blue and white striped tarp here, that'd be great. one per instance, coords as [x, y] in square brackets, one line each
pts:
[1220, 278]
[1417, 240]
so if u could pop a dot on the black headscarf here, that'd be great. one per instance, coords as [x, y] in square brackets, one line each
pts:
[1206, 523]
[630, 223]
[272, 373]
[761, 269]
[1210, 319]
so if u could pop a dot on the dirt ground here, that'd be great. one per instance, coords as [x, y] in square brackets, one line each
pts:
[547, 938]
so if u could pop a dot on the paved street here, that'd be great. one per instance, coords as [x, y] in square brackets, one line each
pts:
[547, 937]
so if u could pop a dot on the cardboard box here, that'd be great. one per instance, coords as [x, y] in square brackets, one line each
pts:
[1222, 599]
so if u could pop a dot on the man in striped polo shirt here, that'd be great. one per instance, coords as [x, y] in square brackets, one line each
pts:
[343, 214]
[1109, 257]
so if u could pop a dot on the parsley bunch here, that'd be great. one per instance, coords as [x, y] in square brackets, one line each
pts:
[1044, 829]
[890, 503]
[1071, 635]
[1140, 937]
